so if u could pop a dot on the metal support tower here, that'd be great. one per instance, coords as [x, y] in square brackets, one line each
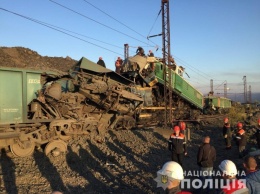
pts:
[211, 86]
[225, 90]
[166, 53]
[249, 94]
[245, 89]
[126, 51]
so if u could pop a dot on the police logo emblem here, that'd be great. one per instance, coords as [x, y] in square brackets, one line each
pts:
[164, 179]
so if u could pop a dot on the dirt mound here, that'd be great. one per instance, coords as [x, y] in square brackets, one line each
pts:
[20, 57]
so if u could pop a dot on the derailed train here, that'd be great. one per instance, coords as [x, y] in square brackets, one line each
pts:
[46, 109]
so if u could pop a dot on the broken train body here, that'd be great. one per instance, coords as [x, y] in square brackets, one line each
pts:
[46, 109]
[39, 108]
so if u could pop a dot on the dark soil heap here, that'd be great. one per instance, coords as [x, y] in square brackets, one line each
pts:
[20, 57]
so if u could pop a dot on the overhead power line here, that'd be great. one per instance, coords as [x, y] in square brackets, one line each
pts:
[59, 30]
[98, 22]
[116, 20]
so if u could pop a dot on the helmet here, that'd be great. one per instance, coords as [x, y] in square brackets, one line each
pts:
[176, 128]
[226, 120]
[228, 167]
[239, 125]
[182, 125]
[172, 170]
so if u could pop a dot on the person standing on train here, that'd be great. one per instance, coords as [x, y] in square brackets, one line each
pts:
[101, 62]
[118, 65]
[150, 53]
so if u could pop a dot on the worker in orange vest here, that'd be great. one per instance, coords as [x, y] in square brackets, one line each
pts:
[241, 139]
[177, 145]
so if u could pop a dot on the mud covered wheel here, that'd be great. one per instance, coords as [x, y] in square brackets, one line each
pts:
[22, 149]
[57, 146]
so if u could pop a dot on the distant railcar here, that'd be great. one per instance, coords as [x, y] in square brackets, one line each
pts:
[216, 104]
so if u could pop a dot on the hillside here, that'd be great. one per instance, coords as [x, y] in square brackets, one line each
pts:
[21, 57]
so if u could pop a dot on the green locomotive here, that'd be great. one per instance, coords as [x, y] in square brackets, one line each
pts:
[188, 102]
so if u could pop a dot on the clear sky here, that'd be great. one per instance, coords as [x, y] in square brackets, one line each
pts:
[212, 39]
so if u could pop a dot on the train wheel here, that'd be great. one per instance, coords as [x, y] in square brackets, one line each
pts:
[55, 146]
[23, 149]
[65, 137]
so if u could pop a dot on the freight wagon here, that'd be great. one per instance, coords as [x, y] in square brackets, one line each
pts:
[44, 109]
[216, 103]
[18, 87]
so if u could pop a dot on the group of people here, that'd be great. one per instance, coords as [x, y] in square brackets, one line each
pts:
[119, 61]
[239, 137]
[170, 174]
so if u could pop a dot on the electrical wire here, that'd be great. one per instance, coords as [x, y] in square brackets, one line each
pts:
[97, 22]
[116, 19]
[154, 23]
[56, 29]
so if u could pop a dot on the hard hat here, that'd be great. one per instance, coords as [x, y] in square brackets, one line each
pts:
[172, 170]
[239, 125]
[225, 120]
[182, 125]
[176, 128]
[228, 167]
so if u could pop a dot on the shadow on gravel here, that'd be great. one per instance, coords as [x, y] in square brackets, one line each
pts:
[87, 167]
[49, 171]
[8, 172]
[138, 134]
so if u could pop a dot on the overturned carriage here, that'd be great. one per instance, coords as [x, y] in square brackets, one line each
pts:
[43, 108]
[148, 75]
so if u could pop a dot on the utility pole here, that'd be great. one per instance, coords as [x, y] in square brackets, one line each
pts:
[126, 51]
[249, 94]
[225, 90]
[245, 89]
[211, 86]
[166, 53]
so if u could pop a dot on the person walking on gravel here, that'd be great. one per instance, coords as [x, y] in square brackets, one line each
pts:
[205, 159]
[227, 134]
[241, 139]
[177, 145]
